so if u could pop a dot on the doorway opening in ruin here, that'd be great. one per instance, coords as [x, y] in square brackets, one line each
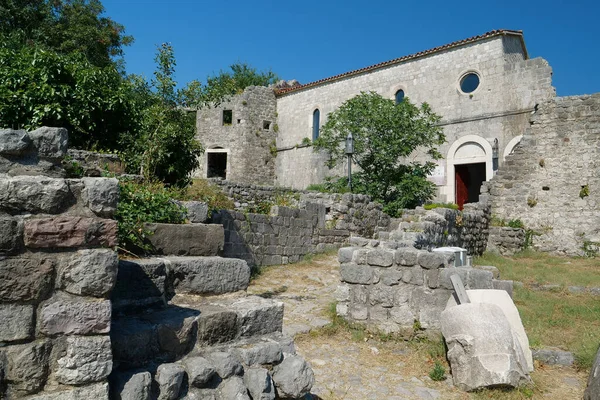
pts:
[216, 164]
[469, 178]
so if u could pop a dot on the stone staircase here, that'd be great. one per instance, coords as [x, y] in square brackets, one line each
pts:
[184, 328]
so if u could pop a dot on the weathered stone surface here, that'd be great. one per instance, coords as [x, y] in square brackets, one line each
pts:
[34, 194]
[14, 142]
[431, 260]
[258, 316]
[208, 275]
[502, 300]
[134, 342]
[71, 315]
[90, 272]
[139, 283]
[27, 366]
[16, 322]
[554, 357]
[50, 142]
[261, 353]
[406, 256]
[176, 330]
[217, 325]
[233, 389]
[197, 211]
[592, 391]
[477, 357]
[25, 278]
[132, 385]
[259, 384]
[199, 370]
[169, 378]
[345, 254]
[354, 273]
[101, 195]
[380, 258]
[293, 378]
[187, 239]
[505, 285]
[64, 232]
[87, 360]
[479, 279]
[225, 364]
[391, 278]
[11, 235]
[99, 391]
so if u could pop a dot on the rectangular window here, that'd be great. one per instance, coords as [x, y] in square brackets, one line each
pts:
[227, 117]
[266, 125]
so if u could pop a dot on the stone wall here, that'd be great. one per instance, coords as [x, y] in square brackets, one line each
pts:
[551, 181]
[401, 290]
[248, 140]
[353, 212]
[505, 240]
[440, 227]
[90, 163]
[57, 270]
[282, 237]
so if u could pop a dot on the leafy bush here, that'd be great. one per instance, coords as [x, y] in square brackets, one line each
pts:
[516, 223]
[140, 203]
[203, 190]
[438, 373]
[441, 205]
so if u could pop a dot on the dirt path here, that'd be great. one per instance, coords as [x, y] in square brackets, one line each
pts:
[367, 368]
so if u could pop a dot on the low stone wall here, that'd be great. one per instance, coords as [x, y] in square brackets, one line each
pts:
[505, 240]
[353, 212]
[57, 270]
[401, 290]
[282, 237]
[94, 164]
[440, 227]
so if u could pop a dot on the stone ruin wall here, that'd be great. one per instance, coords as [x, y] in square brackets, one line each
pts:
[551, 181]
[57, 270]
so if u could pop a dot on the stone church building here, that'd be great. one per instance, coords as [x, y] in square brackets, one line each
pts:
[485, 88]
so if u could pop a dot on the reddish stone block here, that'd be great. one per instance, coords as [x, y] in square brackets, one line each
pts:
[64, 232]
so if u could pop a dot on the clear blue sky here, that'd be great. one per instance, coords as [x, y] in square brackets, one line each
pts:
[314, 39]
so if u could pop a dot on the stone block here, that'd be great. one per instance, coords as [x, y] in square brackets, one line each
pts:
[27, 366]
[261, 353]
[342, 292]
[354, 273]
[70, 315]
[592, 390]
[225, 364]
[382, 294]
[258, 316]
[134, 342]
[11, 235]
[402, 315]
[345, 254]
[35, 195]
[293, 377]
[101, 195]
[217, 324]
[391, 278]
[16, 322]
[139, 283]
[406, 256]
[176, 330]
[65, 232]
[14, 142]
[431, 260]
[446, 273]
[98, 391]
[86, 360]
[208, 275]
[197, 211]
[479, 279]
[187, 239]
[91, 272]
[380, 258]
[169, 378]
[26, 278]
[199, 370]
[432, 278]
[131, 385]
[507, 286]
[50, 142]
[233, 388]
[259, 383]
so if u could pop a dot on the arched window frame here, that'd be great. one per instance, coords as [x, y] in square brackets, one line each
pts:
[316, 123]
[396, 96]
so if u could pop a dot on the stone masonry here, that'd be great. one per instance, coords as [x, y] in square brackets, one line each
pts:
[551, 181]
[57, 270]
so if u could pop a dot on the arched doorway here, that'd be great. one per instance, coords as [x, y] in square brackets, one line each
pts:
[469, 165]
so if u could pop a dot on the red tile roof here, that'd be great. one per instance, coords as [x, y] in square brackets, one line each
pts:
[487, 35]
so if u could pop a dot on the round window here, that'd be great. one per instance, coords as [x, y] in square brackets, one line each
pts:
[469, 83]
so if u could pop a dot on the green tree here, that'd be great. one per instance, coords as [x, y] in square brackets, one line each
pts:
[64, 26]
[385, 135]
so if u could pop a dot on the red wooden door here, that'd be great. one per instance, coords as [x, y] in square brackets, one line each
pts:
[462, 185]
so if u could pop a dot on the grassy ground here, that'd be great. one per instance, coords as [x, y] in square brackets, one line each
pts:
[558, 318]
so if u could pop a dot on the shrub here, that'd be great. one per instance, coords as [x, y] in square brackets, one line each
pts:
[516, 223]
[203, 190]
[431, 206]
[438, 373]
[140, 203]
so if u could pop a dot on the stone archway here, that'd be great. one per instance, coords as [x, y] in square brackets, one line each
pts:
[511, 146]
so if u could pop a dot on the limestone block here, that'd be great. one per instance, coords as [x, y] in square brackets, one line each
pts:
[342, 293]
[199, 371]
[432, 260]
[176, 329]
[14, 142]
[293, 377]
[25, 278]
[382, 294]
[345, 254]
[261, 353]
[502, 300]
[592, 391]
[258, 316]
[87, 360]
[428, 305]
[187, 239]
[139, 283]
[169, 378]
[208, 275]
[391, 278]
[217, 324]
[197, 211]
[482, 349]
[406, 256]
[34, 194]
[225, 364]
[259, 384]
[479, 279]
[233, 388]
[90, 272]
[101, 195]
[16, 322]
[99, 391]
[72, 315]
[50, 142]
[380, 258]
[27, 366]
[402, 315]
[354, 273]
[507, 286]
[11, 235]
[132, 385]
[64, 232]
